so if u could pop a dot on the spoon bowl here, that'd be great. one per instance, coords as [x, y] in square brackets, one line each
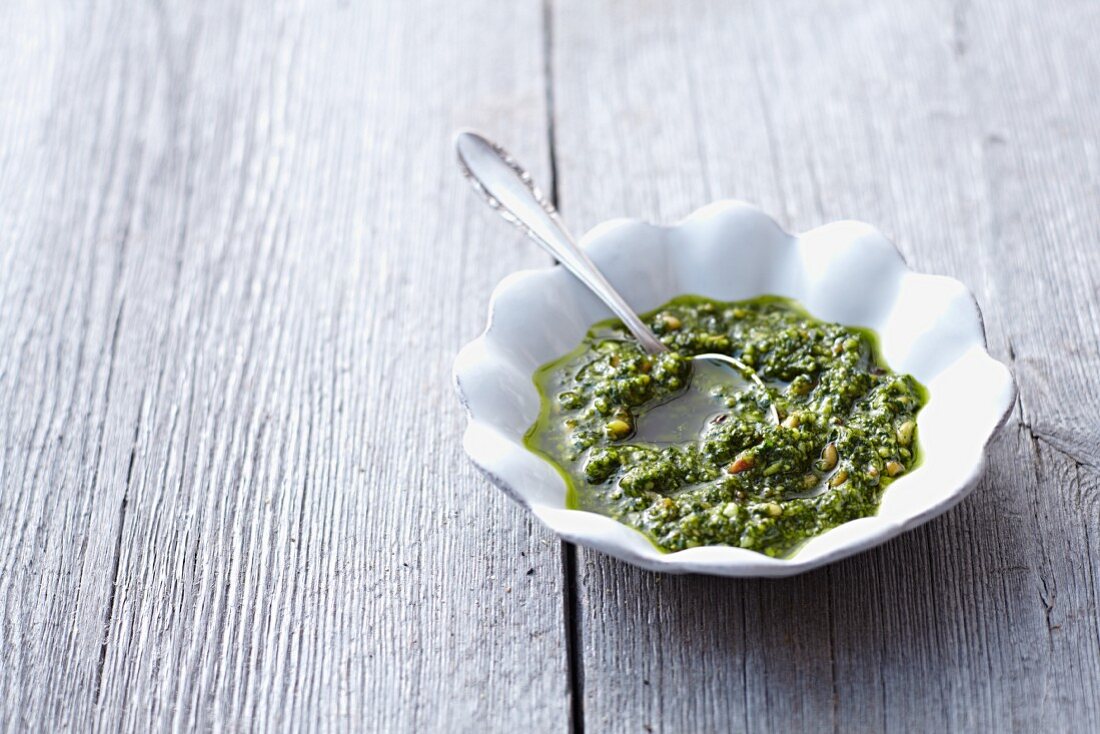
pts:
[695, 409]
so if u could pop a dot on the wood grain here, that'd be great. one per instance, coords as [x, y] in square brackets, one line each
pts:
[236, 264]
[966, 131]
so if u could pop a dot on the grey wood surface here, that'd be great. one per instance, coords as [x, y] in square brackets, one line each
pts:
[236, 261]
[236, 265]
[968, 132]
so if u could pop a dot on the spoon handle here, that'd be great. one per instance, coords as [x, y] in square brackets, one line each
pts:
[509, 189]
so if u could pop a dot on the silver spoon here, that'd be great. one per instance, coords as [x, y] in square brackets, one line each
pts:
[509, 189]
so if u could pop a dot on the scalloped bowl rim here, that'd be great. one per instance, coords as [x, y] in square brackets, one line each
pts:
[493, 374]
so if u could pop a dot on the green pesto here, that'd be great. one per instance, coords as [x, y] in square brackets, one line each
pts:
[694, 462]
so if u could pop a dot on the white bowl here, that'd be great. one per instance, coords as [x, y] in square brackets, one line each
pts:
[847, 272]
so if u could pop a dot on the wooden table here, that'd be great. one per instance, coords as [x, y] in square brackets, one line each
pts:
[236, 261]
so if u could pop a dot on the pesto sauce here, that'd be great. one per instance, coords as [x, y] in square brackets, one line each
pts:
[690, 460]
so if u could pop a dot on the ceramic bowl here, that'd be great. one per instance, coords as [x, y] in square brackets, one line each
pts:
[848, 272]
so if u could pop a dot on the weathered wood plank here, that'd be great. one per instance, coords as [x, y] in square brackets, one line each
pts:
[236, 263]
[966, 131]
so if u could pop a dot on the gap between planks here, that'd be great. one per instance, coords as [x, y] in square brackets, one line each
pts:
[570, 600]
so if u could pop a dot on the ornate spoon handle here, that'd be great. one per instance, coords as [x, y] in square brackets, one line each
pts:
[509, 189]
